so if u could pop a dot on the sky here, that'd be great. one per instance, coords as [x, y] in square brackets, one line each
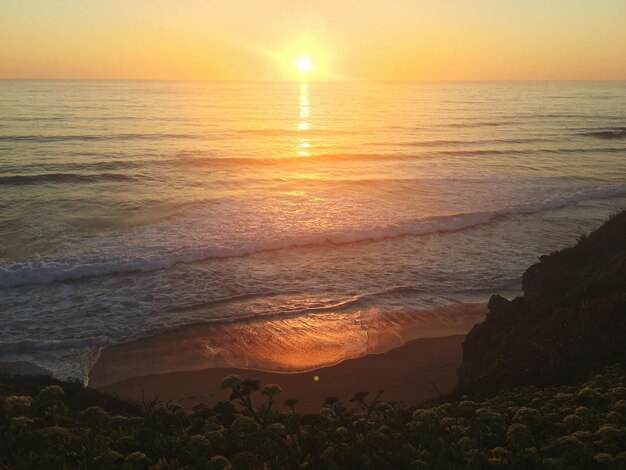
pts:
[345, 39]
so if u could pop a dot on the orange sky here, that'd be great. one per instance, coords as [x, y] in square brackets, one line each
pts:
[348, 39]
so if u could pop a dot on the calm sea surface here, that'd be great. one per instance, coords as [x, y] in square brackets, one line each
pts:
[128, 209]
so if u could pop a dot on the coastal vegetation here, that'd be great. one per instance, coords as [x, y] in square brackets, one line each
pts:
[50, 424]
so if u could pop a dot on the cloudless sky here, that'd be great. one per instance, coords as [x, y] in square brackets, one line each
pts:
[348, 39]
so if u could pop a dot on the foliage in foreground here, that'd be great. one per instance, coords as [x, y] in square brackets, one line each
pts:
[580, 426]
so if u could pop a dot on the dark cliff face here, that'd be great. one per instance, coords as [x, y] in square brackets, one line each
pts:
[570, 322]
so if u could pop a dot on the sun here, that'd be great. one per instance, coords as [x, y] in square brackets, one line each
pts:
[303, 60]
[304, 64]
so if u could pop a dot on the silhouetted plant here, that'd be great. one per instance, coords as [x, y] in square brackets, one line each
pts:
[574, 426]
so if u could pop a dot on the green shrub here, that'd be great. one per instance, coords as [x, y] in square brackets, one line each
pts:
[569, 427]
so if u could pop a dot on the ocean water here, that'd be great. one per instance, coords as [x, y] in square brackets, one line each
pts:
[318, 212]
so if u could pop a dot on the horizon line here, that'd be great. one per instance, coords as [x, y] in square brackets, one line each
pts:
[191, 80]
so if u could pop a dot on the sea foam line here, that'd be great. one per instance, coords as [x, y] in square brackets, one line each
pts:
[45, 270]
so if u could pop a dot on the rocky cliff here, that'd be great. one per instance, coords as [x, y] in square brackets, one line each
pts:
[570, 322]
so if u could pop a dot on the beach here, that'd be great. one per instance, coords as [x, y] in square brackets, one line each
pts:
[418, 371]
[412, 359]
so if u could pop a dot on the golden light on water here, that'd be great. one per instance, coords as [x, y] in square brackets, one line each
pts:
[304, 144]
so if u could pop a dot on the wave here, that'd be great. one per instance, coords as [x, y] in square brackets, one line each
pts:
[470, 125]
[45, 270]
[444, 143]
[333, 307]
[461, 125]
[225, 300]
[206, 160]
[19, 180]
[43, 139]
[357, 301]
[389, 156]
[73, 166]
[480, 152]
[613, 133]
[37, 118]
[287, 132]
[561, 115]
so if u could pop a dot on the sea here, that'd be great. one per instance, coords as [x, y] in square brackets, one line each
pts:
[299, 218]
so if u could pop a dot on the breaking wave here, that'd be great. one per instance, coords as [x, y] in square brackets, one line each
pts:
[19, 180]
[44, 270]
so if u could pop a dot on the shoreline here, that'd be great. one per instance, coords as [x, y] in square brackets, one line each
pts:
[420, 370]
[279, 345]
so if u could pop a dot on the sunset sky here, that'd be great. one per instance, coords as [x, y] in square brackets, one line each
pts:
[347, 39]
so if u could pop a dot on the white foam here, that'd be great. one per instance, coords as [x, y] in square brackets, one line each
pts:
[162, 246]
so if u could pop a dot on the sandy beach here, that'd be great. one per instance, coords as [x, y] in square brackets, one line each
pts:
[413, 373]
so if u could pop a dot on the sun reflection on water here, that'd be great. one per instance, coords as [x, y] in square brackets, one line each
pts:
[304, 145]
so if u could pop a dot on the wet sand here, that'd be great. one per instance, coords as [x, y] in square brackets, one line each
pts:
[289, 344]
[418, 371]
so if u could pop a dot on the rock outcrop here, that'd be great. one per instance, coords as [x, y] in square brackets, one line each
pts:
[570, 322]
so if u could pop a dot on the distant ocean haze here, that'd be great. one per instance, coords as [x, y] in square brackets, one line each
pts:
[135, 209]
